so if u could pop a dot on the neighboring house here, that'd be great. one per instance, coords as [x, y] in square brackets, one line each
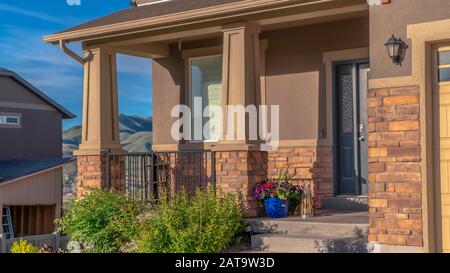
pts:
[352, 120]
[30, 158]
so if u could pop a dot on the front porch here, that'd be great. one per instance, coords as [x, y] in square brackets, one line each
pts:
[304, 57]
[253, 69]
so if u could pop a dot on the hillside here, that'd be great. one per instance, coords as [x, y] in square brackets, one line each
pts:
[135, 135]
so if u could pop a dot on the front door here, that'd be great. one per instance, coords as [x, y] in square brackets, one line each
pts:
[351, 155]
[441, 147]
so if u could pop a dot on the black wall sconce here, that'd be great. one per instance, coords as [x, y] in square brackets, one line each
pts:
[396, 48]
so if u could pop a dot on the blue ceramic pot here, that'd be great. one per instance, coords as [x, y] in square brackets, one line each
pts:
[276, 208]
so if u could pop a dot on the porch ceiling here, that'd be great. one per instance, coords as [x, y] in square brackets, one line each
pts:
[189, 21]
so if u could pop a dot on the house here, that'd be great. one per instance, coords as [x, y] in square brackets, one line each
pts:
[30, 158]
[355, 119]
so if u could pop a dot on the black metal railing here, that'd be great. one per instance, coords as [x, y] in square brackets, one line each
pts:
[146, 176]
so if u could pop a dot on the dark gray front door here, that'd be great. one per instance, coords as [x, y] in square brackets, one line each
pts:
[351, 127]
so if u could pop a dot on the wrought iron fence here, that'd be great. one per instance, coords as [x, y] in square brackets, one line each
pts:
[146, 176]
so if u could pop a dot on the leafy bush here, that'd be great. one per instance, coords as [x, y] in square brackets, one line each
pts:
[23, 246]
[102, 221]
[208, 222]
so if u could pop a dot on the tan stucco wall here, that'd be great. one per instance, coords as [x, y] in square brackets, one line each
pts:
[167, 90]
[393, 18]
[40, 189]
[295, 76]
[295, 72]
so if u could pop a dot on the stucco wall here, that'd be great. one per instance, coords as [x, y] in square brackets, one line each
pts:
[12, 91]
[39, 137]
[295, 72]
[393, 18]
[295, 76]
[167, 90]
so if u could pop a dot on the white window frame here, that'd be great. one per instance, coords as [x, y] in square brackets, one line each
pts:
[4, 120]
[191, 97]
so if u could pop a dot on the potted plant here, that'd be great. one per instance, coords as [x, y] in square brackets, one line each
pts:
[279, 195]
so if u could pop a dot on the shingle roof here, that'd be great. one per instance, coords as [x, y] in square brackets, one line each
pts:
[66, 113]
[149, 11]
[14, 169]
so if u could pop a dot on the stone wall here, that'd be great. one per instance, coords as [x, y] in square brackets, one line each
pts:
[395, 182]
[312, 165]
[240, 172]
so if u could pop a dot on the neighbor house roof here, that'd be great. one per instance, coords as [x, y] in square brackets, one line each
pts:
[167, 14]
[8, 73]
[11, 170]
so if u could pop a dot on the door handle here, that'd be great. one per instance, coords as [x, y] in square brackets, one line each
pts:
[361, 133]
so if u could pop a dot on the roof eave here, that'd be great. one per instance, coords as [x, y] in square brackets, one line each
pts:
[167, 21]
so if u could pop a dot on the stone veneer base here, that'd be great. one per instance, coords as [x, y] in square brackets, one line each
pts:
[240, 172]
[308, 165]
[395, 180]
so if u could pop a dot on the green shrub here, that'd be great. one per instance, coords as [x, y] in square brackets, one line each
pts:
[207, 222]
[23, 246]
[102, 221]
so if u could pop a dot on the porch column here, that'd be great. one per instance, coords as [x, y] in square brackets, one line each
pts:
[240, 163]
[100, 125]
[240, 78]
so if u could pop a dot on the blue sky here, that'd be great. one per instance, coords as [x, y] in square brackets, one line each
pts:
[22, 25]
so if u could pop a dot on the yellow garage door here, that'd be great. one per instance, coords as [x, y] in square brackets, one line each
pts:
[441, 145]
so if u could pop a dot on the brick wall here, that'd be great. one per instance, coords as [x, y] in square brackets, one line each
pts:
[395, 188]
[91, 173]
[240, 172]
[308, 164]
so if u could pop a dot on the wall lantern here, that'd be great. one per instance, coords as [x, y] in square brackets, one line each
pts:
[396, 49]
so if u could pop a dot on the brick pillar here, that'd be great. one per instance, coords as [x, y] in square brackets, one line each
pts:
[395, 181]
[240, 172]
[100, 123]
[91, 173]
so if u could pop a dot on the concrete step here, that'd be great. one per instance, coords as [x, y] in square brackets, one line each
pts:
[287, 243]
[351, 225]
[346, 203]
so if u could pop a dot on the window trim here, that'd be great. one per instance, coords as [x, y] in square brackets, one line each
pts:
[189, 81]
[6, 124]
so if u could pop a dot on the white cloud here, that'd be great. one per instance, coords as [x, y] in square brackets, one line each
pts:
[43, 65]
[30, 13]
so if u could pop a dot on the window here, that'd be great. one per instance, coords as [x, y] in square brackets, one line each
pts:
[205, 80]
[13, 120]
[444, 66]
